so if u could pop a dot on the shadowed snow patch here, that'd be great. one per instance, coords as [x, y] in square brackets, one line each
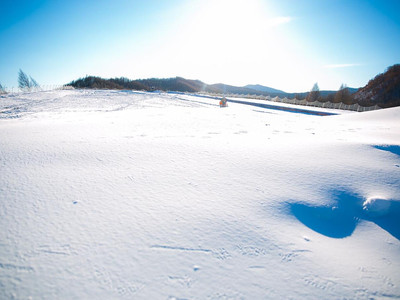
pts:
[395, 149]
[375, 207]
[341, 219]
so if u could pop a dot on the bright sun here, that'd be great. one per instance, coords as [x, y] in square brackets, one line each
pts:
[220, 34]
[225, 37]
[224, 22]
[236, 42]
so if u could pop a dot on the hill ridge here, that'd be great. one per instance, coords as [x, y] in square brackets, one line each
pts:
[383, 90]
[180, 84]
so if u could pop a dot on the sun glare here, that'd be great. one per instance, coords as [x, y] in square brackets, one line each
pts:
[235, 42]
[225, 37]
[228, 23]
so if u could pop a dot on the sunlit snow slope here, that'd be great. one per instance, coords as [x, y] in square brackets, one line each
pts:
[122, 195]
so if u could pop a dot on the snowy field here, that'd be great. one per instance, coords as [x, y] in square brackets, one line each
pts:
[122, 195]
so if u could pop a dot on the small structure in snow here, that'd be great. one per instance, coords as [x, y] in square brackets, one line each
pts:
[223, 102]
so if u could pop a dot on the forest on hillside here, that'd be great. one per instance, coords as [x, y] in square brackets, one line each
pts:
[383, 90]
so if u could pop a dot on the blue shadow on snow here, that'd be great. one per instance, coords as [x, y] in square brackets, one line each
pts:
[341, 219]
[395, 149]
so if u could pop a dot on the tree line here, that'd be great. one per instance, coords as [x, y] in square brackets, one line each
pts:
[180, 84]
[383, 90]
[342, 95]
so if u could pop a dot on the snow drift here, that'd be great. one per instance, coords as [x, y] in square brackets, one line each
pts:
[107, 194]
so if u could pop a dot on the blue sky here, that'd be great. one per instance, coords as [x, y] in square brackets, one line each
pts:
[284, 44]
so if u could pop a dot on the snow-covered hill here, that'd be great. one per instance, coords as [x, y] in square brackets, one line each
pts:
[263, 88]
[122, 195]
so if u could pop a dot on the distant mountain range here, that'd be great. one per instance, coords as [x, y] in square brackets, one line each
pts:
[383, 90]
[179, 84]
[262, 88]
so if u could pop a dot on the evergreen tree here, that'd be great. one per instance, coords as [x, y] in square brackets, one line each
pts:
[34, 83]
[23, 81]
[26, 82]
[2, 90]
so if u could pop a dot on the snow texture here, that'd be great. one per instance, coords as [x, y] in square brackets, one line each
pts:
[122, 195]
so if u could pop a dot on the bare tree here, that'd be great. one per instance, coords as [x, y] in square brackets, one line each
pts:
[343, 95]
[330, 98]
[314, 94]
